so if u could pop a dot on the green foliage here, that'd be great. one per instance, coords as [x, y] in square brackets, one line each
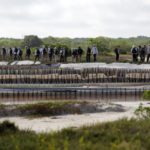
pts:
[6, 127]
[103, 44]
[119, 135]
[146, 95]
[143, 112]
[50, 108]
[7, 42]
[32, 41]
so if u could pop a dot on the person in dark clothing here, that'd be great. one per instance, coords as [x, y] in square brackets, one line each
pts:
[28, 52]
[50, 53]
[4, 53]
[56, 53]
[148, 53]
[61, 53]
[139, 50]
[44, 52]
[15, 53]
[88, 54]
[10, 53]
[117, 52]
[134, 52]
[80, 52]
[66, 55]
[75, 55]
[37, 54]
[143, 53]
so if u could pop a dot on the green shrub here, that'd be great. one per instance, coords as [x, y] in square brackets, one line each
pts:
[7, 126]
[119, 135]
[50, 108]
[146, 95]
[143, 112]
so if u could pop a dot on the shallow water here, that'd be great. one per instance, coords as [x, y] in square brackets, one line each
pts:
[80, 96]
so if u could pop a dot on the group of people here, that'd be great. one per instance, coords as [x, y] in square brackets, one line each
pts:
[77, 54]
[140, 52]
[53, 54]
[15, 53]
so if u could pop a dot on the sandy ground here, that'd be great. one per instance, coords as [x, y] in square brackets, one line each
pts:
[4, 63]
[48, 124]
[25, 62]
[83, 65]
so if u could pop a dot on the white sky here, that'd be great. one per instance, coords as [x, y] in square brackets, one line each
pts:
[74, 18]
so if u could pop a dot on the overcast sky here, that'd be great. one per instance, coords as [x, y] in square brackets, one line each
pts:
[74, 18]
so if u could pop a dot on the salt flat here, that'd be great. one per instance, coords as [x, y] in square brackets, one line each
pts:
[104, 65]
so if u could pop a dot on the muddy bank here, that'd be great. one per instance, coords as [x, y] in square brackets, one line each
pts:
[54, 109]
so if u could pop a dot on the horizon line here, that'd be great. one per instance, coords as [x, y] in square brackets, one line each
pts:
[42, 37]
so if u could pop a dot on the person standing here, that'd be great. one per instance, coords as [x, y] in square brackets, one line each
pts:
[19, 54]
[75, 55]
[139, 51]
[61, 53]
[10, 53]
[4, 53]
[148, 53]
[88, 54]
[15, 53]
[37, 54]
[143, 53]
[80, 52]
[95, 52]
[134, 51]
[56, 53]
[44, 52]
[65, 54]
[50, 53]
[28, 52]
[117, 52]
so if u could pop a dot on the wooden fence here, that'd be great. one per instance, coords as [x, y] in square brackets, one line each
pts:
[35, 75]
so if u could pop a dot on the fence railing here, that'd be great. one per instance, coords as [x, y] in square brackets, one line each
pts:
[31, 75]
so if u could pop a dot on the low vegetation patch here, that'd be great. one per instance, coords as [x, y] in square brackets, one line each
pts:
[7, 127]
[142, 112]
[58, 108]
[119, 135]
[47, 109]
[51, 108]
[146, 95]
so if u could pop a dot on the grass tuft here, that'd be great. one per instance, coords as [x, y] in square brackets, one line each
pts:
[119, 135]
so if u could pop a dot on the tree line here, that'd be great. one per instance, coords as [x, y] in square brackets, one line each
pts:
[104, 44]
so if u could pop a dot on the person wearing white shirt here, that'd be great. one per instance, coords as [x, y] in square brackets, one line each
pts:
[95, 52]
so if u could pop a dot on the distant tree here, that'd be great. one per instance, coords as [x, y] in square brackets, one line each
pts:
[103, 44]
[8, 42]
[32, 41]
